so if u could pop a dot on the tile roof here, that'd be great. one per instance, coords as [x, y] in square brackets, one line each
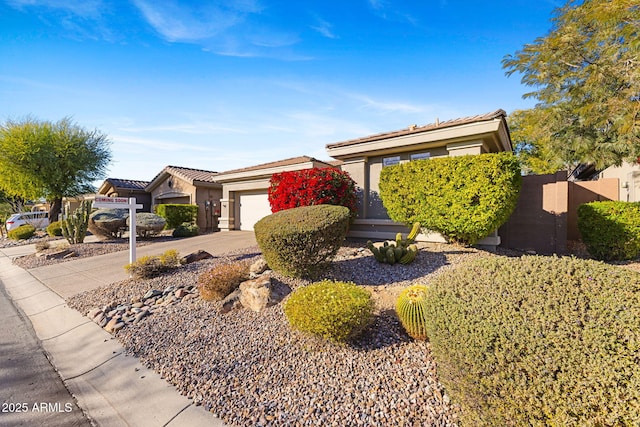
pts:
[129, 184]
[279, 163]
[413, 129]
[190, 174]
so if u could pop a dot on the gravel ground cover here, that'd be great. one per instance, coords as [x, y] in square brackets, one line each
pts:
[251, 369]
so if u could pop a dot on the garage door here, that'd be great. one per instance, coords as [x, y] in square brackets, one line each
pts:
[253, 207]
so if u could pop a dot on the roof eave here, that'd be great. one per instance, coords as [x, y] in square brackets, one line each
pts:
[430, 138]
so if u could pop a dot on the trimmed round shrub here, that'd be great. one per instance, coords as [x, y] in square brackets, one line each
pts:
[148, 224]
[465, 198]
[218, 282]
[186, 230]
[301, 242]
[338, 311]
[538, 341]
[54, 229]
[610, 229]
[23, 232]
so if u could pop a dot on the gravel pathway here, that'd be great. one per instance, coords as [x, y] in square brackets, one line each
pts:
[251, 369]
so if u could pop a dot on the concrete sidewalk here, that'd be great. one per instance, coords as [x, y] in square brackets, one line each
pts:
[112, 388]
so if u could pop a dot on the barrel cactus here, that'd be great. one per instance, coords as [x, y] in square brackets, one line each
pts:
[410, 308]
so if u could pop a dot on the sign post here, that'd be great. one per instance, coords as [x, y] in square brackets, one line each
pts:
[123, 203]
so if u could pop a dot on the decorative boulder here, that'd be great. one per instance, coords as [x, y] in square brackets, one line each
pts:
[255, 294]
[148, 224]
[196, 256]
[108, 223]
[258, 267]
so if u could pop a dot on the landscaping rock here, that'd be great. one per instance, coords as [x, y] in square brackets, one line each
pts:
[231, 301]
[255, 294]
[258, 267]
[196, 256]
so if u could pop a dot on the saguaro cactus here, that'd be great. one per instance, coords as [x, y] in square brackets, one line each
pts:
[74, 226]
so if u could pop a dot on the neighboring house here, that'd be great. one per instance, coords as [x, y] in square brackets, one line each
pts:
[364, 158]
[628, 175]
[113, 187]
[182, 185]
[244, 191]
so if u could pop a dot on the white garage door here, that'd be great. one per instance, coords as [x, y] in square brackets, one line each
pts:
[254, 206]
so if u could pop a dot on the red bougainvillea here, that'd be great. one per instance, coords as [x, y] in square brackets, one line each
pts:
[316, 186]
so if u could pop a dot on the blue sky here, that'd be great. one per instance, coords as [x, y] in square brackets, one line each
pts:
[220, 85]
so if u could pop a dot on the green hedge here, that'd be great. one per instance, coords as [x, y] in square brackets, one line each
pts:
[610, 230]
[54, 229]
[464, 198]
[301, 242]
[538, 341]
[177, 214]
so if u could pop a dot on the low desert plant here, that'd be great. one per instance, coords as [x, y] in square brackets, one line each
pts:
[610, 229]
[186, 230]
[54, 229]
[108, 223]
[153, 265]
[338, 311]
[218, 282]
[538, 341]
[42, 246]
[23, 232]
[301, 242]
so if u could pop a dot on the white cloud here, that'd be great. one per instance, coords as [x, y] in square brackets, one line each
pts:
[83, 8]
[323, 27]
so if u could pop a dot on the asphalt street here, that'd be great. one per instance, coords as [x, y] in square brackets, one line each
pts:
[31, 391]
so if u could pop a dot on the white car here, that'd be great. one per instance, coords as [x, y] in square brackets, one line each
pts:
[37, 219]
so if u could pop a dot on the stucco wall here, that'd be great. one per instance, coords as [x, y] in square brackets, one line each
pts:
[629, 178]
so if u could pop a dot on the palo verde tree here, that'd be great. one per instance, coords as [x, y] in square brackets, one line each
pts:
[586, 76]
[50, 160]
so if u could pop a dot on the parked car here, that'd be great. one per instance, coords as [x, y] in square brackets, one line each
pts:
[37, 219]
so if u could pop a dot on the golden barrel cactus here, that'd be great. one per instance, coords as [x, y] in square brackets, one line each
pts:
[410, 308]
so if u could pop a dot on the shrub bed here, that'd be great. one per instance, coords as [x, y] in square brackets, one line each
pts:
[186, 230]
[610, 229]
[153, 265]
[315, 186]
[464, 198]
[538, 341]
[220, 281]
[23, 232]
[54, 229]
[338, 311]
[301, 242]
[176, 214]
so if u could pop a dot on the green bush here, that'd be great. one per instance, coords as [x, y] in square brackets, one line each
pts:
[538, 341]
[218, 282]
[300, 242]
[610, 230]
[148, 224]
[108, 223]
[338, 311]
[177, 214]
[186, 230]
[464, 198]
[153, 265]
[54, 229]
[23, 232]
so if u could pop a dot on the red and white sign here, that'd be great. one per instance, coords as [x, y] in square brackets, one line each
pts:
[112, 200]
